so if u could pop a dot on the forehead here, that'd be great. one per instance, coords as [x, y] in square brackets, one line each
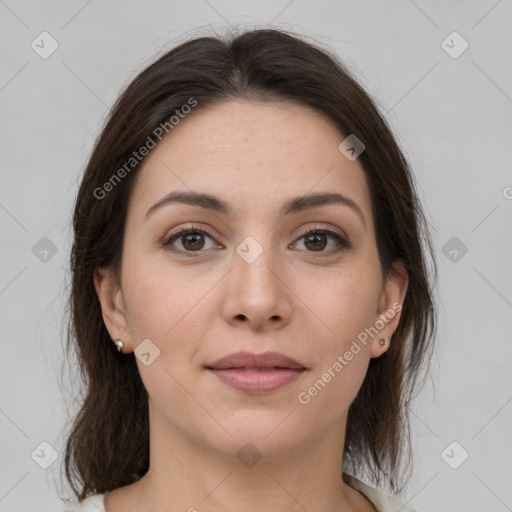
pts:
[251, 153]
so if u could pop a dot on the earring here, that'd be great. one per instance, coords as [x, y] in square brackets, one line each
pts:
[383, 341]
[119, 344]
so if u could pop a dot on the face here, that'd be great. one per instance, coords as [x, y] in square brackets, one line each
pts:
[305, 282]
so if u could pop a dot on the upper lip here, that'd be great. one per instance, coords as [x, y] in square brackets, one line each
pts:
[250, 360]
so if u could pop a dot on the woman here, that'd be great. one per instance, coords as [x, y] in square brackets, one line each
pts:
[247, 235]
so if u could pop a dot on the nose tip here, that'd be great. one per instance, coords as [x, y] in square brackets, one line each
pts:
[257, 296]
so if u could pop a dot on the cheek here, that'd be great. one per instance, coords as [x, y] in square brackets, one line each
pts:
[346, 304]
[170, 305]
[344, 352]
[347, 307]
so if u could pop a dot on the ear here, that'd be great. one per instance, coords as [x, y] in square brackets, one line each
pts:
[390, 306]
[113, 307]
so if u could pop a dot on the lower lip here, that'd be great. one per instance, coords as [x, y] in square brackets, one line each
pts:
[257, 380]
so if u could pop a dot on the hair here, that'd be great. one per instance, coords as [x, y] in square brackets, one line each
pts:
[108, 443]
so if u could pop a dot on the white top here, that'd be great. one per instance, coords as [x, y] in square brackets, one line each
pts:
[381, 501]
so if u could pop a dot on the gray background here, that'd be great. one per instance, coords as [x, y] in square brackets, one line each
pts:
[452, 119]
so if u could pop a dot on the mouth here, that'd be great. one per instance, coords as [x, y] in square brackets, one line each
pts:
[256, 373]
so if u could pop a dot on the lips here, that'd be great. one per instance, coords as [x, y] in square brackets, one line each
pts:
[256, 373]
[248, 360]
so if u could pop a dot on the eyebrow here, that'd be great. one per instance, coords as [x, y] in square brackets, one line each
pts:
[295, 205]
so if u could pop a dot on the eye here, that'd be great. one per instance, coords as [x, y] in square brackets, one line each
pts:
[316, 240]
[190, 238]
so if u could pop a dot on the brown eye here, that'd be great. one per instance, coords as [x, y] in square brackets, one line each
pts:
[316, 241]
[188, 241]
[193, 241]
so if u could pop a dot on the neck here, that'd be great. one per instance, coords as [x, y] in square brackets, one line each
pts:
[187, 475]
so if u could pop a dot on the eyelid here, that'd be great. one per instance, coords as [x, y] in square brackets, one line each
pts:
[321, 227]
[181, 231]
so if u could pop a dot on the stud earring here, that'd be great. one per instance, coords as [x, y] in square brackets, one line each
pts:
[119, 344]
[383, 341]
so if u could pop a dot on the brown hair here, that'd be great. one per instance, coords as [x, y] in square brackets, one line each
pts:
[108, 445]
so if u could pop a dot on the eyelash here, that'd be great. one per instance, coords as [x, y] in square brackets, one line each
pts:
[343, 243]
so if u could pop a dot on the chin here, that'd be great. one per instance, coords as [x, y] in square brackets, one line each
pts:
[259, 433]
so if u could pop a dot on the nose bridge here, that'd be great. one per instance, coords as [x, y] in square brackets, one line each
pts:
[253, 263]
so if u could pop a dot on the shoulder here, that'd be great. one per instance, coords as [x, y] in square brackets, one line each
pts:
[382, 502]
[91, 504]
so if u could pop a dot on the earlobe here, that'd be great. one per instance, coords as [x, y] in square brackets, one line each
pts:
[113, 311]
[379, 346]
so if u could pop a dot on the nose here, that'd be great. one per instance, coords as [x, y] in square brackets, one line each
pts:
[258, 294]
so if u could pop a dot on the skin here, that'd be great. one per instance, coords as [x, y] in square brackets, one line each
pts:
[291, 299]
